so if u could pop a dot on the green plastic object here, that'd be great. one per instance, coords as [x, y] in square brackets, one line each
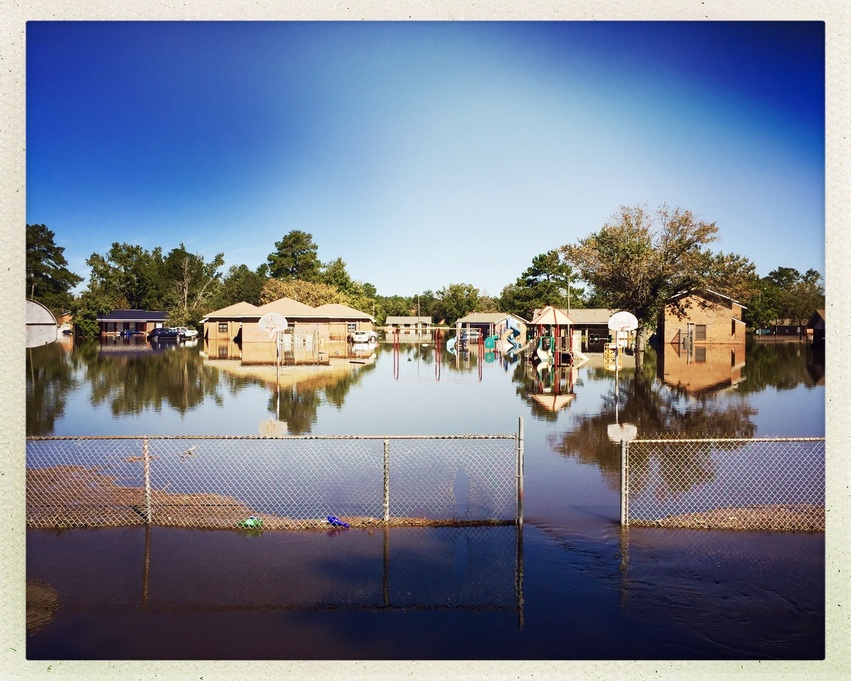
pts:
[251, 521]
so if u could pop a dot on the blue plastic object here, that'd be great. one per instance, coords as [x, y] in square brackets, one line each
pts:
[336, 522]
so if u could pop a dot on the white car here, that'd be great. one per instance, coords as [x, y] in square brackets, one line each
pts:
[364, 337]
[185, 332]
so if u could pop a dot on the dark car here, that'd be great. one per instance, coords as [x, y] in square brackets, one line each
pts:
[164, 333]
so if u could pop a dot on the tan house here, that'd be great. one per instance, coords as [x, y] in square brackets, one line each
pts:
[702, 346]
[313, 334]
[702, 318]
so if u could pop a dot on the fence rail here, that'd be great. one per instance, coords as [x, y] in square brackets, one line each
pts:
[294, 482]
[725, 483]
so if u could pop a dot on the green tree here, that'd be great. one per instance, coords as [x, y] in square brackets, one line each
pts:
[49, 281]
[311, 293]
[455, 301]
[335, 274]
[295, 258]
[638, 261]
[763, 305]
[241, 284]
[91, 304]
[130, 276]
[547, 281]
[191, 284]
[798, 295]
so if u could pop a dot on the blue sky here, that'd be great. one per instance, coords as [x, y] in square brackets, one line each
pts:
[423, 153]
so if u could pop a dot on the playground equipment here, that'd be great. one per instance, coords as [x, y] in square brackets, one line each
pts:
[552, 337]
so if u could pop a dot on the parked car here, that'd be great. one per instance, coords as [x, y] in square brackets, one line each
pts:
[130, 332]
[185, 332]
[163, 333]
[364, 337]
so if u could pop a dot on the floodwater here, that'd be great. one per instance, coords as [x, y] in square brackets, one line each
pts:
[571, 584]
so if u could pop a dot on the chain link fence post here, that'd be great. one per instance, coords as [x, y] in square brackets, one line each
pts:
[624, 483]
[147, 463]
[518, 519]
[386, 480]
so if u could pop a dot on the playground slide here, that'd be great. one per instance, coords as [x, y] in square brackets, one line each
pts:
[544, 350]
[508, 342]
[450, 345]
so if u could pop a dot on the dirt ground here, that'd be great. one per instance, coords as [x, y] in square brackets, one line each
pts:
[75, 496]
[774, 517]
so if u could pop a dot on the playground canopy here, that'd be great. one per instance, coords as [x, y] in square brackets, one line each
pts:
[551, 316]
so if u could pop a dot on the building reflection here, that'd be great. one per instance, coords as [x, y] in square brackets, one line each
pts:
[701, 368]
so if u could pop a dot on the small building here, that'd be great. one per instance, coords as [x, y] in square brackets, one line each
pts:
[701, 318]
[120, 322]
[592, 325]
[408, 324]
[493, 323]
[816, 328]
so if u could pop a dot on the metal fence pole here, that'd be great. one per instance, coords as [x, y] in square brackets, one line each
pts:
[386, 480]
[624, 483]
[147, 458]
[519, 466]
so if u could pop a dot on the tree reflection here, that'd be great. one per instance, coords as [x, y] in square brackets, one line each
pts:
[50, 378]
[132, 382]
[783, 366]
[657, 410]
[299, 404]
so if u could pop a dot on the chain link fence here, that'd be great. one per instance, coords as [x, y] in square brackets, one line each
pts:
[287, 482]
[749, 484]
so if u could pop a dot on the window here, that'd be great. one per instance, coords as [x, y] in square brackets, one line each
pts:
[351, 326]
[700, 332]
[223, 327]
[700, 355]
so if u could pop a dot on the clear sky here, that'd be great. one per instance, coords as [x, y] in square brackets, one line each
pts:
[423, 154]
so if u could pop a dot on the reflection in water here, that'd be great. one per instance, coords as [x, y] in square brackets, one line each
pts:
[736, 595]
[701, 369]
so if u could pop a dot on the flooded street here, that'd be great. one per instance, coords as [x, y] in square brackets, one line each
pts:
[571, 584]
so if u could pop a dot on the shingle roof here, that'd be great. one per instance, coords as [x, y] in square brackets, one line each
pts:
[287, 307]
[340, 311]
[241, 309]
[591, 315]
[487, 318]
[133, 316]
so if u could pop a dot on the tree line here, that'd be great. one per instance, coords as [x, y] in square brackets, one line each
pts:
[636, 261]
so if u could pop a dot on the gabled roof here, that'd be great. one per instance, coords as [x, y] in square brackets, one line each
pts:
[133, 316]
[407, 319]
[236, 310]
[818, 320]
[551, 315]
[338, 311]
[591, 315]
[487, 318]
[287, 307]
[708, 294]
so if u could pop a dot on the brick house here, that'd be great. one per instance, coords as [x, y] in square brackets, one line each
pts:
[313, 333]
[120, 322]
[701, 318]
[702, 346]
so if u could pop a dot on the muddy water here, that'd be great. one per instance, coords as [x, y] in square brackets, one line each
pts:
[571, 585]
